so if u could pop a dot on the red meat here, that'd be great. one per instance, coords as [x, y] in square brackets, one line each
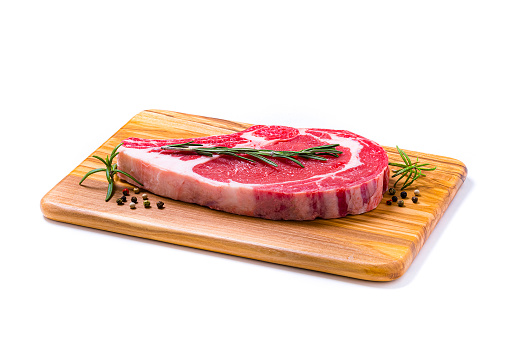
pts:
[353, 183]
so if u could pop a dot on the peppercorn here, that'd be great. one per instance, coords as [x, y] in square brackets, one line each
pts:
[416, 192]
[392, 191]
[136, 190]
[394, 198]
[160, 204]
[145, 197]
[403, 194]
[125, 191]
[124, 198]
[120, 201]
[132, 205]
[414, 200]
[146, 203]
[389, 202]
[134, 200]
[401, 203]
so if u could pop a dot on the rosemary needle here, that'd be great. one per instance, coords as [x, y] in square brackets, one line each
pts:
[111, 169]
[260, 154]
[409, 169]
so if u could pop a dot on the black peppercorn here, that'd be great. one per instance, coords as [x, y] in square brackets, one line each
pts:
[403, 194]
[392, 191]
[414, 200]
[134, 199]
[160, 204]
[389, 202]
[394, 198]
[124, 198]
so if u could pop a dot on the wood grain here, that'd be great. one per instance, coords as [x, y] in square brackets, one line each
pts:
[379, 245]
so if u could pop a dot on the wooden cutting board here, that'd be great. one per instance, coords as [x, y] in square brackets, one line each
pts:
[379, 245]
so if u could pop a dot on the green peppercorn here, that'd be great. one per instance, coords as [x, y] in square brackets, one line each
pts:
[136, 190]
[394, 198]
[134, 199]
[401, 203]
[392, 191]
[415, 199]
[160, 204]
[389, 202]
[120, 201]
[132, 205]
[146, 203]
[403, 194]
[124, 198]
[145, 196]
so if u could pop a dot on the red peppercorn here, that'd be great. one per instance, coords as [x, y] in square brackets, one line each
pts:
[125, 191]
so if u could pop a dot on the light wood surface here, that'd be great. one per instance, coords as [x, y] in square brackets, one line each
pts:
[379, 245]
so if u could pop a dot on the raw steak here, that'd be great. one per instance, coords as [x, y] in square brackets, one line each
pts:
[353, 183]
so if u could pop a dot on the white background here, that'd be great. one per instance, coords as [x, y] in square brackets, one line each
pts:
[428, 76]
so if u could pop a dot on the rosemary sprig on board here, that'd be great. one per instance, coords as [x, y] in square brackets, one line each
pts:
[260, 154]
[411, 170]
[111, 169]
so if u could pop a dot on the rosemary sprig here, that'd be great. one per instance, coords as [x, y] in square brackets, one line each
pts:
[111, 169]
[411, 170]
[260, 154]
